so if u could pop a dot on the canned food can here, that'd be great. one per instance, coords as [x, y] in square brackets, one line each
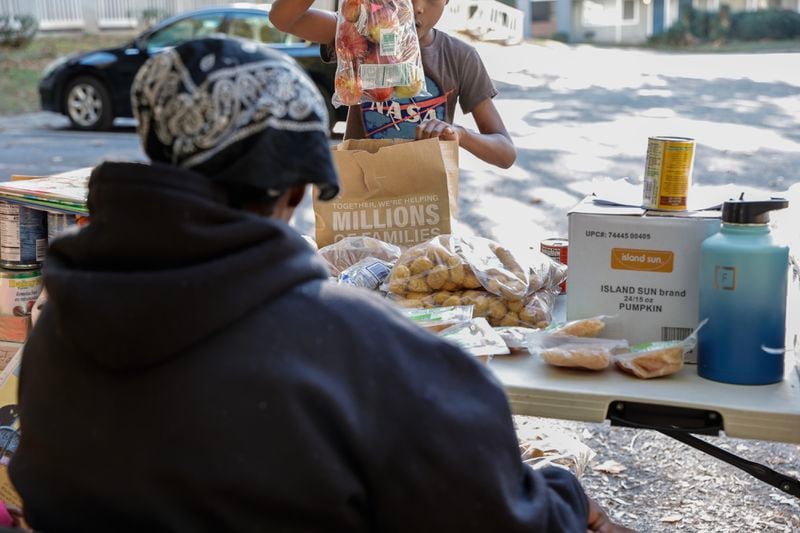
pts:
[19, 290]
[558, 250]
[57, 223]
[668, 173]
[23, 236]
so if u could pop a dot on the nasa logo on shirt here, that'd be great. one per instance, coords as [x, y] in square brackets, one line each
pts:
[398, 119]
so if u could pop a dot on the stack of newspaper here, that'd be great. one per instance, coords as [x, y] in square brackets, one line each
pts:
[60, 193]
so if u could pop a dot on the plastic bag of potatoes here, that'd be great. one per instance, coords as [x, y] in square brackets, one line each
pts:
[533, 311]
[448, 263]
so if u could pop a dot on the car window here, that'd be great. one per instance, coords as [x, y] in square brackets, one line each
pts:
[184, 30]
[257, 27]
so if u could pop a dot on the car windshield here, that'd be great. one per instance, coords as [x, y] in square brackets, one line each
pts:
[183, 30]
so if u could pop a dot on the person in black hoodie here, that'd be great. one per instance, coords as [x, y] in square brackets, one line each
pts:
[194, 370]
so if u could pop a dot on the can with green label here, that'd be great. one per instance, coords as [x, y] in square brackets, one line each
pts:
[19, 290]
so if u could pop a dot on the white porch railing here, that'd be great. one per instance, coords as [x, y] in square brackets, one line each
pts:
[457, 14]
[127, 13]
[53, 14]
[487, 20]
[93, 15]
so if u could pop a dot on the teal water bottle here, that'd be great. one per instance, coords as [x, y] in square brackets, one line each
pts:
[743, 277]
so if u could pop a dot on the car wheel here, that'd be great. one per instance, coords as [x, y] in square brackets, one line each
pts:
[87, 104]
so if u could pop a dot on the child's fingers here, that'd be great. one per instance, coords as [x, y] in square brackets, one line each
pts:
[433, 129]
[424, 130]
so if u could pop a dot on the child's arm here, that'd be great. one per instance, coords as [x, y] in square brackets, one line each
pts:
[295, 17]
[492, 144]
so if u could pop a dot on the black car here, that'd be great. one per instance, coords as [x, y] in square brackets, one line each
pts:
[93, 88]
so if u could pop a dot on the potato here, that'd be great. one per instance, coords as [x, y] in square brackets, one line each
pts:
[401, 272]
[420, 265]
[481, 304]
[470, 281]
[515, 305]
[451, 301]
[397, 286]
[440, 297]
[497, 309]
[511, 319]
[437, 277]
[451, 286]
[418, 285]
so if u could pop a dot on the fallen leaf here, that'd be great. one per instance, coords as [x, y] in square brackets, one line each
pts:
[610, 467]
[672, 518]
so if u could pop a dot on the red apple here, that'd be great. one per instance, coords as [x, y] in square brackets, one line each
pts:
[348, 87]
[380, 95]
[381, 18]
[349, 43]
[351, 10]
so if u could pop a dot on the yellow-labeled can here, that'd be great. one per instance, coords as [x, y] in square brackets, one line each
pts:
[668, 173]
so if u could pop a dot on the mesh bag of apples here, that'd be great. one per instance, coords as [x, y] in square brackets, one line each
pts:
[377, 50]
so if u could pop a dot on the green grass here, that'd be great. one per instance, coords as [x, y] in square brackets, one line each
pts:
[20, 68]
[735, 47]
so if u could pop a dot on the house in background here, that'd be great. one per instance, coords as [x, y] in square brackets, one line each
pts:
[604, 21]
[623, 21]
[543, 18]
[746, 5]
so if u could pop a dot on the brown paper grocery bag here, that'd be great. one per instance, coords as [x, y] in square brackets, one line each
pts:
[402, 192]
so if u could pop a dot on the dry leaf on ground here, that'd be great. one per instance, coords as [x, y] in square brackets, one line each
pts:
[610, 467]
[672, 518]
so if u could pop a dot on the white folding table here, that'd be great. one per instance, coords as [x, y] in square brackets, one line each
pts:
[679, 405]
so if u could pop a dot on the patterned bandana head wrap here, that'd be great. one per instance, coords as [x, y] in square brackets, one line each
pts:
[236, 112]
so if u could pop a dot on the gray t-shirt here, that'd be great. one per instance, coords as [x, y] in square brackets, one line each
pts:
[454, 73]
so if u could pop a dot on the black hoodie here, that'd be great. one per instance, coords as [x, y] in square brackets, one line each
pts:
[194, 371]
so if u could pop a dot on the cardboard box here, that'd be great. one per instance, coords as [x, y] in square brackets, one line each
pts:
[793, 315]
[640, 265]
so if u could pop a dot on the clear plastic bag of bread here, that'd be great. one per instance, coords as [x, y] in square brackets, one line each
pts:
[347, 252]
[656, 359]
[377, 52]
[516, 336]
[568, 351]
[585, 327]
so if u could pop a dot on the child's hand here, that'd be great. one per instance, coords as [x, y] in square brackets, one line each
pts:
[436, 128]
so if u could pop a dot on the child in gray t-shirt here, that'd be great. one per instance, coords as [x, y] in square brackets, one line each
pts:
[454, 73]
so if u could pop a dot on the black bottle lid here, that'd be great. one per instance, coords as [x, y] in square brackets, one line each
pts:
[743, 211]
